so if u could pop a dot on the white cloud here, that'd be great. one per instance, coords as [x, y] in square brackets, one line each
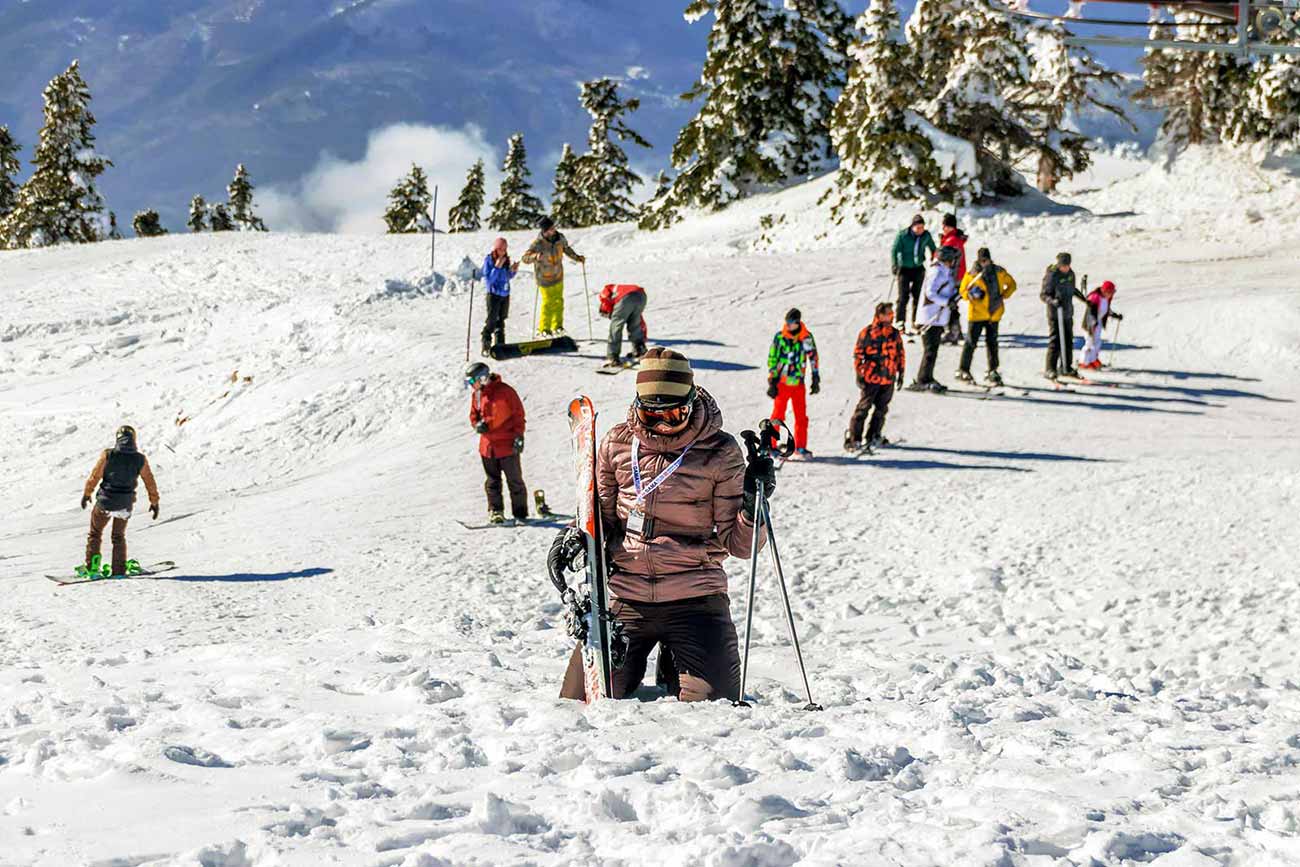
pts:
[350, 196]
[637, 73]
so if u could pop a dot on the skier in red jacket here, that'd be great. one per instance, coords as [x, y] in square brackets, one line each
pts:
[954, 237]
[498, 415]
[624, 304]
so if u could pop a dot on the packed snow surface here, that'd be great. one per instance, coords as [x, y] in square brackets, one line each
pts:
[1047, 628]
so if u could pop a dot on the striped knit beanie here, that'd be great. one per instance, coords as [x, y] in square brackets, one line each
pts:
[665, 379]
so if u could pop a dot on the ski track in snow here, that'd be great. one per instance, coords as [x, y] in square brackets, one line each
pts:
[1048, 628]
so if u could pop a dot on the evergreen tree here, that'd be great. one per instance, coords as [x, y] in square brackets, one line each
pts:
[985, 95]
[60, 203]
[408, 204]
[467, 214]
[515, 207]
[198, 220]
[567, 206]
[9, 166]
[1067, 79]
[602, 176]
[240, 194]
[878, 134]
[766, 100]
[147, 224]
[1205, 95]
[1275, 98]
[220, 219]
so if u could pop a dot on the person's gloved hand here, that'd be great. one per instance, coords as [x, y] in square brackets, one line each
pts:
[977, 293]
[568, 554]
[771, 386]
[894, 269]
[899, 382]
[85, 501]
[1117, 316]
[816, 384]
[861, 381]
[761, 470]
[519, 444]
[481, 427]
[153, 510]
[582, 259]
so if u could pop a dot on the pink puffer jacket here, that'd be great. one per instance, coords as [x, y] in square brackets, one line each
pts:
[696, 512]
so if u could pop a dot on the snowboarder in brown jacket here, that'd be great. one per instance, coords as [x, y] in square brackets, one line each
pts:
[116, 474]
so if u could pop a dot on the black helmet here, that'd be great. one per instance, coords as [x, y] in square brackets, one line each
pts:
[949, 255]
[125, 437]
[545, 223]
[476, 371]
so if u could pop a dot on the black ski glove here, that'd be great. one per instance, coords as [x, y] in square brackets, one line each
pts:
[895, 270]
[899, 382]
[761, 470]
[85, 501]
[568, 554]
[519, 444]
[481, 427]
[1117, 316]
[816, 384]
[771, 386]
[976, 292]
[153, 510]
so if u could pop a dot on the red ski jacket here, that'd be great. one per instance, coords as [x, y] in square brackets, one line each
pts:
[614, 293]
[956, 238]
[499, 405]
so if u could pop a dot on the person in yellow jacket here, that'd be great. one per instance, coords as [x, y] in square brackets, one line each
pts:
[986, 287]
[546, 255]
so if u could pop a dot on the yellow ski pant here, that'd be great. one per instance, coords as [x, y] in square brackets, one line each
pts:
[551, 317]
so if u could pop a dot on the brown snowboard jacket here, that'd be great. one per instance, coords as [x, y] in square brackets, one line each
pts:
[696, 514]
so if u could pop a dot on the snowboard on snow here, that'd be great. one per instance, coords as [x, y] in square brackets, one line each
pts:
[542, 346]
[611, 370]
[98, 572]
[598, 643]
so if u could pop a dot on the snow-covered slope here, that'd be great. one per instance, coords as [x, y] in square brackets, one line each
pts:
[1051, 628]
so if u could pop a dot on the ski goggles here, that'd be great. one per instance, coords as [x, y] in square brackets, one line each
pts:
[667, 417]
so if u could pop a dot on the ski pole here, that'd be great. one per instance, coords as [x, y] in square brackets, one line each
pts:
[587, 293]
[537, 290]
[785, 597]
[469, 323]
[749, 607]
[1111, 355]
[1064, 364]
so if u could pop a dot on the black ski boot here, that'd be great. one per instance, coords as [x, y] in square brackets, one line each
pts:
[993, 379]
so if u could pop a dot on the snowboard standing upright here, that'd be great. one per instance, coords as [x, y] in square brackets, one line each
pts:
[597, 650]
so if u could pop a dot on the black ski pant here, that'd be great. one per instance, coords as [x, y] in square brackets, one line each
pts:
[874, 396]
[627, 314]
[494, 330]
[1055, 341]
[990, 331]
[930, 338]
[514, 473]
[700, 641]
[910, 281]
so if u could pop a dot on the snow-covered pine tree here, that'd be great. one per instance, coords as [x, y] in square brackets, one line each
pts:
[9, 166]
[566, 200]
[220, 219]
[876, 130]
[663, 186]
[467, 214]
[60, 203]
[985, 95]
[765, 100]
[1275, 98]
[147, 224]
[198, 220]
[240, 192]
[408, 204]
[515, 207]
[1205, 95]
[1066, 80]
[603, 180]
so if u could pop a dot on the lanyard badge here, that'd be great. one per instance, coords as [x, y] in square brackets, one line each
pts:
[638, 522]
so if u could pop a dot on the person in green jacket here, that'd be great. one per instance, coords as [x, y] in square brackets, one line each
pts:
[908, 261]
[791, 359]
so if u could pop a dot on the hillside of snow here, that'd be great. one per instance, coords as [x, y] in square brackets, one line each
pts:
[1052, 628]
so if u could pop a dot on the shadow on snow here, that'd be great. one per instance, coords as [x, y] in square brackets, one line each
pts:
[241, 577]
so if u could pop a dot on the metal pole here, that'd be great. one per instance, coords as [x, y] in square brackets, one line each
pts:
[537, 290]
[789, 613]
[749, 609]
[433, 233]
[587, 293]
[469, 323]
[1111, 355]
[1243, 25]
[1063, 365]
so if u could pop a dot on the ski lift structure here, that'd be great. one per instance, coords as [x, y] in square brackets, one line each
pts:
[1255, 24]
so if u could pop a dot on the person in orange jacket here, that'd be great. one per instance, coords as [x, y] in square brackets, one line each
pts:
[116, 474]
[497, 414]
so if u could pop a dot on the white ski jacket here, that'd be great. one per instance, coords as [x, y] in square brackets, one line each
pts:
[940, 288]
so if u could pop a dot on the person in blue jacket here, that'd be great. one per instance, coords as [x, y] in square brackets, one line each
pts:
[497, 273]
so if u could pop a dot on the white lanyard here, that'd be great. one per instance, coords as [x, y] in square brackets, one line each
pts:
[642, 493]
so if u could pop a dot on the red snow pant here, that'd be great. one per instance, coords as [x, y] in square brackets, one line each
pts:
[793, 394]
